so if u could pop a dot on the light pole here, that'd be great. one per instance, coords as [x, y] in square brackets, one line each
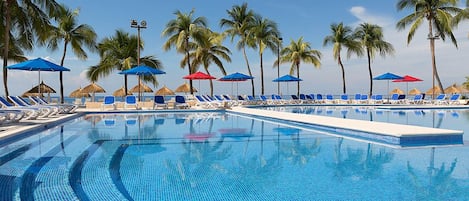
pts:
[432, 39]
[278, 63]
[142, 25]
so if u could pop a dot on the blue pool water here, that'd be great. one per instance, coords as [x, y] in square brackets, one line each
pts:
[219, 156]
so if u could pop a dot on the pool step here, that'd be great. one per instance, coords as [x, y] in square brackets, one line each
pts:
[388, 133]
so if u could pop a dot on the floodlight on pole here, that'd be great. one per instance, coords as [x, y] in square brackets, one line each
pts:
[142, 25]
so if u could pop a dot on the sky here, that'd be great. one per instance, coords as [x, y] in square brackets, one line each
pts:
[295, 19]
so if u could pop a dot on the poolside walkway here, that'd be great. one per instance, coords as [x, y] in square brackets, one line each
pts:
[377, 131]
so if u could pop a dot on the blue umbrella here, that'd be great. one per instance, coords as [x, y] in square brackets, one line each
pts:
[388, 76]
[287, 78]
[39, 65]
[235, 77]
[141, 70]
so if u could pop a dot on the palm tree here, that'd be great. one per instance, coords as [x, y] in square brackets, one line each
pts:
[239, 24]
[265, 35]
[466, 83]
[70, 32]
[439, 17]
[372, 39]
[213, 53]
[180, 32]
[119, 52]
[299, 51]
[342, 37]
[23, 20]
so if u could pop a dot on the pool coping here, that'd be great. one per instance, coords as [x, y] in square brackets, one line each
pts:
[394, 134]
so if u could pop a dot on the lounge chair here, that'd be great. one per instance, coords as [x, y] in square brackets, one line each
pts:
[377, 99]
[109, 101]
[364, 99]
[45, 111]
[418, 99]
[63, 108]
[319, 98]
[330, 99]
[310, 98]
[25, 113]
[295, 99]
[158, 101]
[180, 102]
[265, 100]
[440, 99]
[130, 100]
[344, 99]
[454, 99]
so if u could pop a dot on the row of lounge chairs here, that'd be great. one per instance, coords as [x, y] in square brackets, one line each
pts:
[15, 108]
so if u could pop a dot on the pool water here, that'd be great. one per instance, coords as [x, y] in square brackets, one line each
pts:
[219, 156]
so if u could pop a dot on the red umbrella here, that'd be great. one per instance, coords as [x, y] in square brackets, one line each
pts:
[407, 79]
[199, 76]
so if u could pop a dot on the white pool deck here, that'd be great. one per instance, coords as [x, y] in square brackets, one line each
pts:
[352, 126]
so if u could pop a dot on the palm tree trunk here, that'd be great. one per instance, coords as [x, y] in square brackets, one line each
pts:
[61, 73]
[369, 70]
[432, 49]
[125, 85]
[343, 74]
[249, 70]
[298, 75]
[189, 65]
[262, 76]
[6, 45]
[210, 80]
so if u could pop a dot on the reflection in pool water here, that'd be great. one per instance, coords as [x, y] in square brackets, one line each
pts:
[218, 156]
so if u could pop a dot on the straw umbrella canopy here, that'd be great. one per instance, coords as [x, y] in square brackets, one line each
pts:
[121, 92]
[396, 91]
[414, 91]
[93, 88]
[434, 90]
[79, 94]
[164, 91]
[185, 88]
[27, 94]
[39, 89]
[452, 90]
[142, 87]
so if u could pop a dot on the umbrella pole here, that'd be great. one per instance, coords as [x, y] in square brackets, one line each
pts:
[139, 91]
[39, 83]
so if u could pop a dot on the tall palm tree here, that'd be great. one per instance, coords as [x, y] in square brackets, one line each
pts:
[71, 33]
[23, 20]
[119, 52]
[439, 15]
[181, 32]
[265, 35]
[213, 53]
[239, 23]
[372, 40]
[342, 37]
[299, 51]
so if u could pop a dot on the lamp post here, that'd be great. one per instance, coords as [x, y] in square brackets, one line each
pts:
[278, 64]
[142, 25]
[432, 39]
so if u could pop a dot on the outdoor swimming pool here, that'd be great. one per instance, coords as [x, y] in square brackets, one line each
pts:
[219, 156]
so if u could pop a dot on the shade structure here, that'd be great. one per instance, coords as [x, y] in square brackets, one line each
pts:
[185, 88]
[164, 91]
[142, 88]
[235, 77]
[434, 90]
[78, 93]
[121, 92]
[42, 88]
[387, 76]
[396, 91]
[407, 79]
[27, 94]
[199, 76]
[453, 89]
[39, 65]
[141, 70]
[93, 88]
[414, 91]
[287, 78]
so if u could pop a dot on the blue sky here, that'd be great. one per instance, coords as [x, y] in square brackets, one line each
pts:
[310, 19]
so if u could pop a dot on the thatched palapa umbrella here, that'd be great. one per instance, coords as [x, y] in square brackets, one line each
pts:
[142, 87]
[121, 92]
[434, 90]
[453, 89]
[414, 91]
[79, 94]
[43, 88]
[185, 88]
[396, 91]
[164, 91]
[93, 88]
